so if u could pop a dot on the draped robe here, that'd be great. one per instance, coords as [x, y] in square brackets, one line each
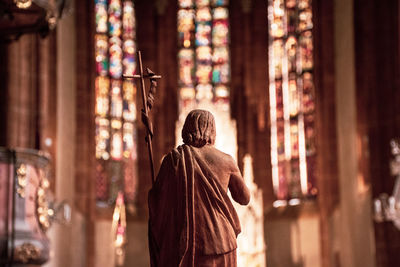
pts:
[192, 221]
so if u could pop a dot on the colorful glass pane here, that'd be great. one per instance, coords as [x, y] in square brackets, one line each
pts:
[129, 105]
[309, 134]
[220, 73]
[292, 90]
[129, 62]
[279, 100]
[128, 142]
[116, 147]
[303, 4]
[290, 3]
[102, 85]
[186, 27]
[203, 55]
[114, 19]
[187, 96]
[203, 14]
[221, 91]
[203, 73]
[115, 57]
[128, 20]
[277, 48]
[294, 97]
[101, 16]
[220, 13]
[204, 92]
[220, 2]
[291, 51]
[220, 33]
[306, 50]
[102, 138]
[101, 43]
[116, 99]
[308, 93]
[220, 55]
[203, 33]
[277, 29]
[186, 3]
[294, 139]
[305, 20]
[281, 140]
[187, 93]
[186, 63]
[202, 3]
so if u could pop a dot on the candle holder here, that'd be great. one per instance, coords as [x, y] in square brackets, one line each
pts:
[387, 208]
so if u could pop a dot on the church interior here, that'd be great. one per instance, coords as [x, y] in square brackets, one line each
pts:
[306, 98]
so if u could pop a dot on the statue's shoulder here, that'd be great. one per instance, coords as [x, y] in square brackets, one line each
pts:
[221, 154]
[174, 155]
[222, 158]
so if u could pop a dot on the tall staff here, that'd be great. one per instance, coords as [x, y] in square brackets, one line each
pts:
[147, 105]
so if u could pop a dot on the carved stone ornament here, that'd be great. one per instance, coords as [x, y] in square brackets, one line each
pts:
[44, 212]
[26, 253]
[21, 180]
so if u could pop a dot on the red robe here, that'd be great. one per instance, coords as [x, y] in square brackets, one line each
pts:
[192, 219]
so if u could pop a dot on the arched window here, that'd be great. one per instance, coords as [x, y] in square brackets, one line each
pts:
[115, 111]
[204, 65]
[291, 93]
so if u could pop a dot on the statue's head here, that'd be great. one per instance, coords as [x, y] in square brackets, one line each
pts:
[199, 128]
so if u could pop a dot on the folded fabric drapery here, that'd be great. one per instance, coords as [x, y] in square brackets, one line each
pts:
[191, 216]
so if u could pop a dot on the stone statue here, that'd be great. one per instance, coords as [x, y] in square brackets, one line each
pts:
[192, 220]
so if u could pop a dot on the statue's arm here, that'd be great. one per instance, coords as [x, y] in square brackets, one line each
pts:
[239, 191]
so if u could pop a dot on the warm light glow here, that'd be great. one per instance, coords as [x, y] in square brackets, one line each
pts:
[279, 203]
[294, 202]
[50, 212]
[302, 156]
[119, 241]
[24, 4]
[116, 215]
[251, 249]
[186, 43]
[118, 228]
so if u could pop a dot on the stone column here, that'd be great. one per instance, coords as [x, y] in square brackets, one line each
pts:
[356, 238]
[67, 241]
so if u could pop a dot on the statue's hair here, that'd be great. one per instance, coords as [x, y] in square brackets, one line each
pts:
[199, 128]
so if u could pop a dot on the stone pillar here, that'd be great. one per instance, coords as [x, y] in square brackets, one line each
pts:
[22, 92]
[67, 241]
[356, 238]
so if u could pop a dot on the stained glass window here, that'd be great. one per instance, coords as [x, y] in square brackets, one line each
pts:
[115, 107]
[291, 93]
[203, 38]
[204, 65]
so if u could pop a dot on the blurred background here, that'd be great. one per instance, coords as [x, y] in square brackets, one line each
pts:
[306, 96]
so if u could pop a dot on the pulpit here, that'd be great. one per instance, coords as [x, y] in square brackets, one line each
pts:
[25, 214]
